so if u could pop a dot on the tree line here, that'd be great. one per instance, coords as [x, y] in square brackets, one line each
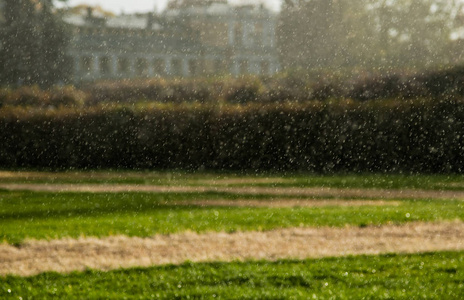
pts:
[369, 34]
[33, 41]
[313, 35]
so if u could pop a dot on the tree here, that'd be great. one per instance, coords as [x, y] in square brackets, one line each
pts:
[33, 43]
[308, 33]
[321, 34]
[415, 33]
[367, 34]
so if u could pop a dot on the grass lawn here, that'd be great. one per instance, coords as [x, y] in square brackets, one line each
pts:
[420, 276]
[45, 215]
[51, 215]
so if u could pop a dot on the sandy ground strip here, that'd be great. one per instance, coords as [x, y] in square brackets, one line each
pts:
[280, 203]
[109, 253]
[309, 192]
[21, 175]
[246, 180]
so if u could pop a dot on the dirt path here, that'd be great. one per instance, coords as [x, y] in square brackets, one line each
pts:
[309, 192]
[115, 252]
[278, 202]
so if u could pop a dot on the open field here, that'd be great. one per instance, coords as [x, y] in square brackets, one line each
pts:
[54, 215]
[72, 221]
[418, 276]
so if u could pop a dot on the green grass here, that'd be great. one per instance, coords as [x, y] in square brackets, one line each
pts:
[377, 181]
[42, 215]
[380, 181]
[419, 276]
[50, 215]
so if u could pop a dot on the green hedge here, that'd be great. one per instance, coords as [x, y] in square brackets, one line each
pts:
[393, 135]
[279, 88]
[361, 86]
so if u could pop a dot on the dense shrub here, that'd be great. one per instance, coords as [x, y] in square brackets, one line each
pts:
[67, 96]
[27, 96]
[449, 82]
[243, 90]
[284, 87]
[162, 90]
[280, 123]
[393, 135]
[33, 96]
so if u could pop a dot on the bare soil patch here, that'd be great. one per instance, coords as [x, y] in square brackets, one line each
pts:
[76, 175]
[455, 184]
[308, 192]
[100, 188]
[24, 175]
[250, 180]
[278, 202]
[299, 243]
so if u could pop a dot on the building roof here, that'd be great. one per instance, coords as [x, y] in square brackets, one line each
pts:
[219, 9]
[128, 21]
[135, 21]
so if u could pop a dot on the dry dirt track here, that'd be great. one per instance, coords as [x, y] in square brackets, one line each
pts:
[284, 202]
[114, 252]
[309, 192]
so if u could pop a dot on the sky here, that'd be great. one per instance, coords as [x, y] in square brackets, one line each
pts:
[130, 6]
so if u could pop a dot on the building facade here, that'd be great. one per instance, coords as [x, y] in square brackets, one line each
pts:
[197, 38]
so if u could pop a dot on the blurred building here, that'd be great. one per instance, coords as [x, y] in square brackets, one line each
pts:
[190, 38]
[2, 5]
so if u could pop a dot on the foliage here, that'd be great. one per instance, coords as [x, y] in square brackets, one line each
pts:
[34, 96]
[439, 83]
[286, 122]
[292, 86]
[33, 41]
[162, 90]
[243, 90]
[48, 215]
[368, 33]
[67, 96]
[420, 135]
[411, 276]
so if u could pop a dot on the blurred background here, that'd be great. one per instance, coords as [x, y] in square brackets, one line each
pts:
[316, 85]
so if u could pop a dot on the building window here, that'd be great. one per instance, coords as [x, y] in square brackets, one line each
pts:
[123, 65]
[104, 64]
[264, 66]
[219, 66]
[70, 63]
[86, 63]
[258, 34]
[238, 32]
[159, 66]
[208, 66]
[193, 67]
[141, 67]
[243, 67]
[176, 67]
